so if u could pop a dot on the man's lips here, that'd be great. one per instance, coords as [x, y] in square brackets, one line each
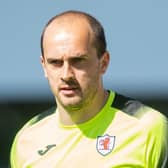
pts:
[68, 90]
[68, 87]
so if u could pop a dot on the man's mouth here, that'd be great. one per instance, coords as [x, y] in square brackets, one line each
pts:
[68, 90]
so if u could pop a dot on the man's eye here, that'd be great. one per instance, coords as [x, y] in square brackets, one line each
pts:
[78, 60]
[56, 62]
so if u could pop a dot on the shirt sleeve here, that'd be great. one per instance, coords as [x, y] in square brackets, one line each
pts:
[157, 141]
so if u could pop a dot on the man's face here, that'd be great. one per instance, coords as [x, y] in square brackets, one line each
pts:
[71, 64]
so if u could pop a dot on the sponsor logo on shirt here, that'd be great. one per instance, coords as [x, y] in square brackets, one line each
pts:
[105, 144]
[47, 148]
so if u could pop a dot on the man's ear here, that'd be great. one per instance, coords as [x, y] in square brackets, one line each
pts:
[104, 61]
[42, 60]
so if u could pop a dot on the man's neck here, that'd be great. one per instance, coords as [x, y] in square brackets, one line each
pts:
[84, 114]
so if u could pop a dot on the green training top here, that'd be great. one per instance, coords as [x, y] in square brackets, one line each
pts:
[124, 134]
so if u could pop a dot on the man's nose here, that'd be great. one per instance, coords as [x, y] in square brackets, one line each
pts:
[67, 72]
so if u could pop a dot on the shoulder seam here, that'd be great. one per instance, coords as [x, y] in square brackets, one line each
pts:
[127, 105]
[42, 115]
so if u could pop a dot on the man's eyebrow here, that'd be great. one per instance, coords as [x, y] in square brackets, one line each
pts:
[80, 56]
[72, 57]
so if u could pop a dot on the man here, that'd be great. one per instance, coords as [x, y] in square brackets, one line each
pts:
[90, 127]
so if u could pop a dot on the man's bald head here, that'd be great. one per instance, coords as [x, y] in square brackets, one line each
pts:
[71, 17]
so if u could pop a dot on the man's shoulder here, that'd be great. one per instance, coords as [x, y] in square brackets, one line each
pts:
[38, 118]
[42, 116]
[148, 117]
[132, 107]
[32, 132]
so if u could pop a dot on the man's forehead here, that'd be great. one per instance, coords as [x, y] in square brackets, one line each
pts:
[63, 31]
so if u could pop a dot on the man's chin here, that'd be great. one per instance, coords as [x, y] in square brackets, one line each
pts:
[71, 103]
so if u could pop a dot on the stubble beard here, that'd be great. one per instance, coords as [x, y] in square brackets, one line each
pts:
[70, 104]
[83, 99]
[77, 103]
